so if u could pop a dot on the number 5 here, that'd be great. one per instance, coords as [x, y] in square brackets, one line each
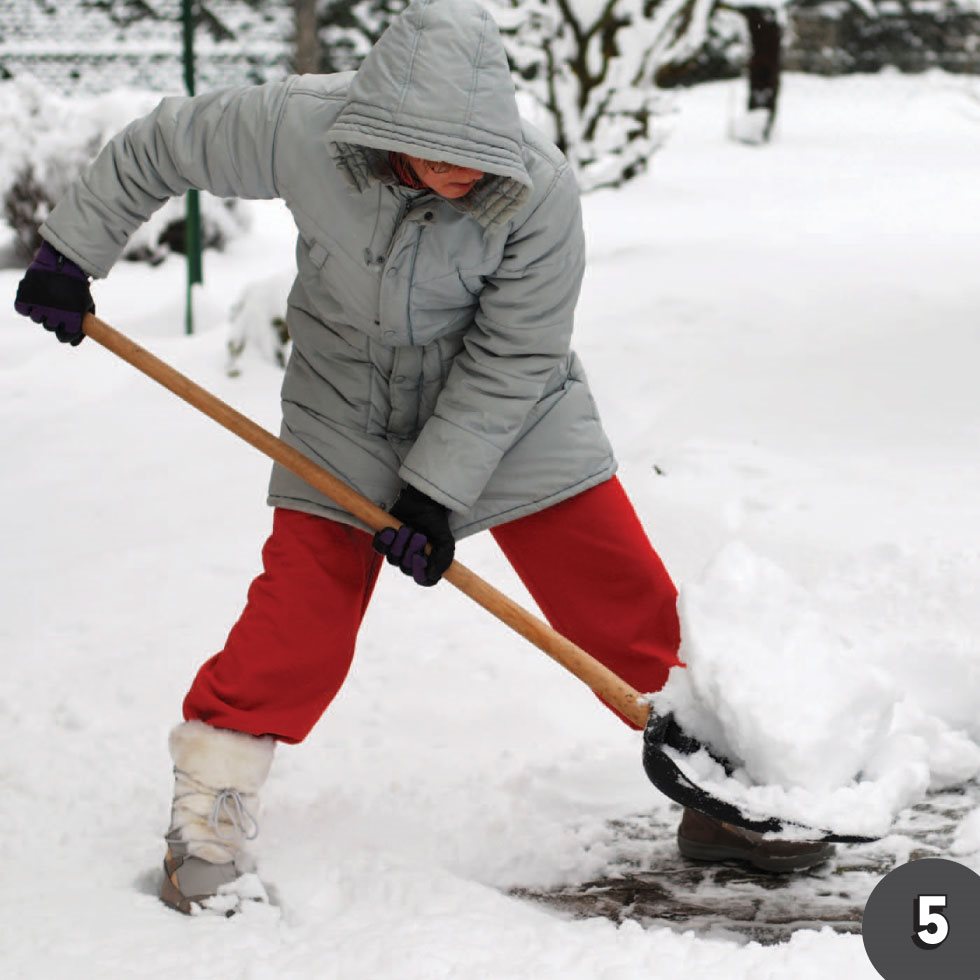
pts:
[931, 926]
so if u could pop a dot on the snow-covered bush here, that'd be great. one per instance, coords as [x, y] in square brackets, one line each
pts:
[723, 54]
[50, 138]
[258, 322]
[348, 28]
[589, 66]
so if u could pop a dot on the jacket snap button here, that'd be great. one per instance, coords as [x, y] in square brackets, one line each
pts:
[392, 273]
[429, 215]
[389, 333]
[377, 323]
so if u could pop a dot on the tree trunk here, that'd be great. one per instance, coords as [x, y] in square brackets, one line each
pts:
[307, 58]
[766, 37]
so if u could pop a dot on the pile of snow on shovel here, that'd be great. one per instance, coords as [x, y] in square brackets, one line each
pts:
[820, 737]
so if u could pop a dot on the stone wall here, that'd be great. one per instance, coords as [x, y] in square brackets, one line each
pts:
[833, 37]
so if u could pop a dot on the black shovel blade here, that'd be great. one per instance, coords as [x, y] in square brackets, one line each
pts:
[662, 732]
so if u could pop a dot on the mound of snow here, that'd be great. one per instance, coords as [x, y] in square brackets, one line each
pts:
[821, 737]
[967, 839]
[258, 320]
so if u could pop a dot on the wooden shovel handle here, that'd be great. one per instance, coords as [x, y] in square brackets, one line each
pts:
[603, 681]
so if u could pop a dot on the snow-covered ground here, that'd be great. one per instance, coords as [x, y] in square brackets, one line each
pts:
[784, 345]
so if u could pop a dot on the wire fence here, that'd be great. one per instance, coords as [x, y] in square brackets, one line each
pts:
[94, 46]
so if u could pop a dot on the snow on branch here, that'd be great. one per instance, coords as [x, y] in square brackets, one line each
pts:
[589, 68]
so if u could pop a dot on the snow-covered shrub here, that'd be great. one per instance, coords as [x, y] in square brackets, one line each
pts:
[48, 141]
[347, 29]
[723, 54]
[589, 67]
[258, 322]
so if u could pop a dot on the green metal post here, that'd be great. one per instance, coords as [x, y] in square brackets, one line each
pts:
[192, 227]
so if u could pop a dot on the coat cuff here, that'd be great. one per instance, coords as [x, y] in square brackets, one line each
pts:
[60, 245]
[451, 465]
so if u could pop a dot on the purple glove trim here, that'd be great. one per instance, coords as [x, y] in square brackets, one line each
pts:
[407, 547]
[420, 569]
[49, 259]
[383, 540]
[425, 523]
[60, 321]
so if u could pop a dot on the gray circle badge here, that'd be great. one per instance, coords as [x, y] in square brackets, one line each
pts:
[923, 920]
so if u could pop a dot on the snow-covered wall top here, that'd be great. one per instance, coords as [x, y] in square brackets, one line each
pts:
[97, 45]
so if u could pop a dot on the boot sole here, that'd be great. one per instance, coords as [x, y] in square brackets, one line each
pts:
[174, 898]
[774, 865]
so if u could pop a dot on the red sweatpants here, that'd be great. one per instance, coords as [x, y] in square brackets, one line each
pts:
[586, 561]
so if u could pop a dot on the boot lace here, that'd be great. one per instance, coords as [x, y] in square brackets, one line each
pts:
[230, 820]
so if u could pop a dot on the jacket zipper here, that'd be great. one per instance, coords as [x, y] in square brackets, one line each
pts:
[370, 256]
[402, 209]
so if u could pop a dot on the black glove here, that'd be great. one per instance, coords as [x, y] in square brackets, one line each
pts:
[54, 292]
[425, 522]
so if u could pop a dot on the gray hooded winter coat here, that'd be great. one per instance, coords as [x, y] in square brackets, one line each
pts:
[430, 337]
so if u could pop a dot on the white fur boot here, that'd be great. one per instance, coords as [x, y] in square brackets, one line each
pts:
[217, 777]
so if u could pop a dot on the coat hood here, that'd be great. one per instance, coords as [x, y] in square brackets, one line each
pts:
[437, 85]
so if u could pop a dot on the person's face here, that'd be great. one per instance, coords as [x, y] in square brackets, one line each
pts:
[446, 179]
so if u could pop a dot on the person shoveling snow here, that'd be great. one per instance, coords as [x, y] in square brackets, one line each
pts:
[440, 255]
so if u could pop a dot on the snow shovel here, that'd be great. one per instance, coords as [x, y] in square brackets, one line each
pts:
[660, 732]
